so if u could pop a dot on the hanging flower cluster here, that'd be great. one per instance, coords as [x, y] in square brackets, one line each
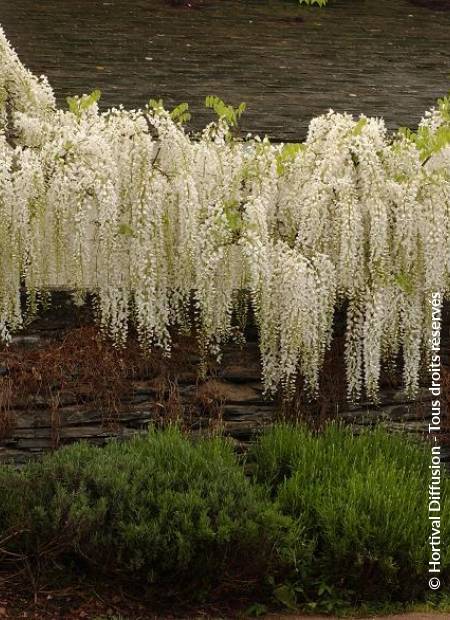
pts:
[173, 232]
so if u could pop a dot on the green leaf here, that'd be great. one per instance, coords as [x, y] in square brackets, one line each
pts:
[180, 114]
[156, 104]
[256, 609]
[126, 230]
[286, 595]
[224, 111]
[324, 589]
[78, 105]
[444, 107]
[404, 281]
[288, 153]
[234, 219]
[357, 129]
[430, 142]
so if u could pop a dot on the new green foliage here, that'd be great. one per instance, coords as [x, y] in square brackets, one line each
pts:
[428, 139]
[78, 105]
[227, 112]
[180, 113]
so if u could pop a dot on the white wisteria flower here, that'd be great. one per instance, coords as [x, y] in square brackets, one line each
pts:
[168, 231]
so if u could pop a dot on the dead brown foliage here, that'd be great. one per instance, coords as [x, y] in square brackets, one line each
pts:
[83, 368]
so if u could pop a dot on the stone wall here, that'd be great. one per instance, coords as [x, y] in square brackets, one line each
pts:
[59, 382]
[288, 63]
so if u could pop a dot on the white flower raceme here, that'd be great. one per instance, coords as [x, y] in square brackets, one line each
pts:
[173, 232]
[20, 90]
[293, 297]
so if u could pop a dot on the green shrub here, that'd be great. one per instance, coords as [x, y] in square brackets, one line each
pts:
[277, 453]
[159, 509]
[328, 519]
[11, 487]
[363, 500]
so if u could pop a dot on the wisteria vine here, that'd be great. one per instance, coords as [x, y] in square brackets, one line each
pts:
[169, 231]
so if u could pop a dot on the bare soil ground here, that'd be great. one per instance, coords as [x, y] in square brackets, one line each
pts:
[111, 603]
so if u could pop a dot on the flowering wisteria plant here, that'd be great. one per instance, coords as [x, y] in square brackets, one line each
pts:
[166, 230]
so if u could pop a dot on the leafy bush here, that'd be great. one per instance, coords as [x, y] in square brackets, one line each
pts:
[159, 509]
[363, 500]
[11, 485]
[327, 519]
